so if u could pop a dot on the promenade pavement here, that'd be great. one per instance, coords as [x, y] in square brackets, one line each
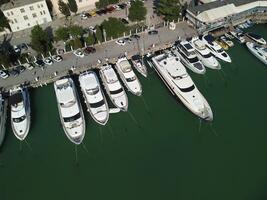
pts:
[107, 50]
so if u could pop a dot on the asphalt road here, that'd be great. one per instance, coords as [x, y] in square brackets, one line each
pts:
[108, 50]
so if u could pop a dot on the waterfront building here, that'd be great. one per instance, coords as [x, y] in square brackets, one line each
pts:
[23, 14]
[83, 5]
[209, 15]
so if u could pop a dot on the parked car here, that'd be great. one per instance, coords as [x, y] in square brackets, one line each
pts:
[23, 46]
[92, 13]
[122, 5]
[78, 53]
[117, 7]
[89, 50]
[153, 32]
[57, 58]
[60, 51]
[135, 36]
[29, 66]
[16, 49]
[124, 21]
[4, 74]
[20, 68]
[83, 16]
[92, 29]
[101, 12]
[14, 72]
[39, 63]
[127, 39]
[120, 42]
[110, 9]
[48, 61]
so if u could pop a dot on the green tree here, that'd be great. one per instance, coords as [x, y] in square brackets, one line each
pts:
[113, 27]
[63, 8]
[170, 9]
[76, 31]
[40, 40]
[90, 40]
[105, 3]
[76, 43]
[99, 34]
[4, 60]
[137, 11]
[62, 33]
[3, 21]
[73, 6]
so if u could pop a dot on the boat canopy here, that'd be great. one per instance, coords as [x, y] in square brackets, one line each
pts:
[15, 98]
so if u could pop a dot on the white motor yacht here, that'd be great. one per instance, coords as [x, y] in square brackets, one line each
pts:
[204, 54]
[239, 36]
[20, 112]
[70, 110]
[176, 78]
[139, 65]
[94, 97]
[113, 87]
[215, 49]
[257, 38]
[258, 51]
[188, 57]
[128, 76]
[3, 110]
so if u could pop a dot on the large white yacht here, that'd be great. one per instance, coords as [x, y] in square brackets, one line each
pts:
[70, 110]
[204, 54]
[174, 75]
[113, 87]
[128, 76]
[139, 65]
[94, 97]
[188, 57]
[20, 112]
[215, 49]
[3, 110]
[256, 38]
[258, 51]
[239, 35]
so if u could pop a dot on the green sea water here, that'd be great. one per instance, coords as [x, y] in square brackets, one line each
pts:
[158, 150]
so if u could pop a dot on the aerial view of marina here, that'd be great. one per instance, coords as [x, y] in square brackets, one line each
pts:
[133, 99]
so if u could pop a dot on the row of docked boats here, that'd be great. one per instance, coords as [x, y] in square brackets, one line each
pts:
[69, 106]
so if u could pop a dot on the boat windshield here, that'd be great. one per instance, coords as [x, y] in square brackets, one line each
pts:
[188, 89]
[125, 66]
[193, 60]
[220, 50]
[131, 79]
[116, 91]
[64, 86]
[97, 104]
[19, 119]
[207, 55]
[72, 118]
[92, 91]
[178, 77]
[68, 104]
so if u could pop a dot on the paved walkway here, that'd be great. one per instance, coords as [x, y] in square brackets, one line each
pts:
[108, 50]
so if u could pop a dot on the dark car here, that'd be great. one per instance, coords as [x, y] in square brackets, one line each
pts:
[122, 5]
[14, 72]
[39, 63]
[135, 36]
[101, 12]
[153, 32]
[89, 50]
[23, 46]
[127, 39]
[124, 21]
[20, 68]
[110, 9]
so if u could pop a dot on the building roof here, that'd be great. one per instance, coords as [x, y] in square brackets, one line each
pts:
[196, 9]
[17, 3]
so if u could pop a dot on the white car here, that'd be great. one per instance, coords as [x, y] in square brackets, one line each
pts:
[84, 16]
[57, 58]
[48, 61]
[79, 53]
[120, 42]
[92, 29]
[3, 74]
[16, 49]
[117, 7]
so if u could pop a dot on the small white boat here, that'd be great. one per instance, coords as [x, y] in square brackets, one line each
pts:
[174, 75]
[70, 110]
[188, 57]
[113, 87]
[128, 76]
[258, 51]
[139, 65]
[227, 41]
[20, 112]
[3, 112]
[256, 38]
[239, 36]
[215, 49]
[204, 54]
[227, 35]
[94, 97]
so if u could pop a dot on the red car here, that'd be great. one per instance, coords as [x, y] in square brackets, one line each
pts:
[110, 9]
[89, 50]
